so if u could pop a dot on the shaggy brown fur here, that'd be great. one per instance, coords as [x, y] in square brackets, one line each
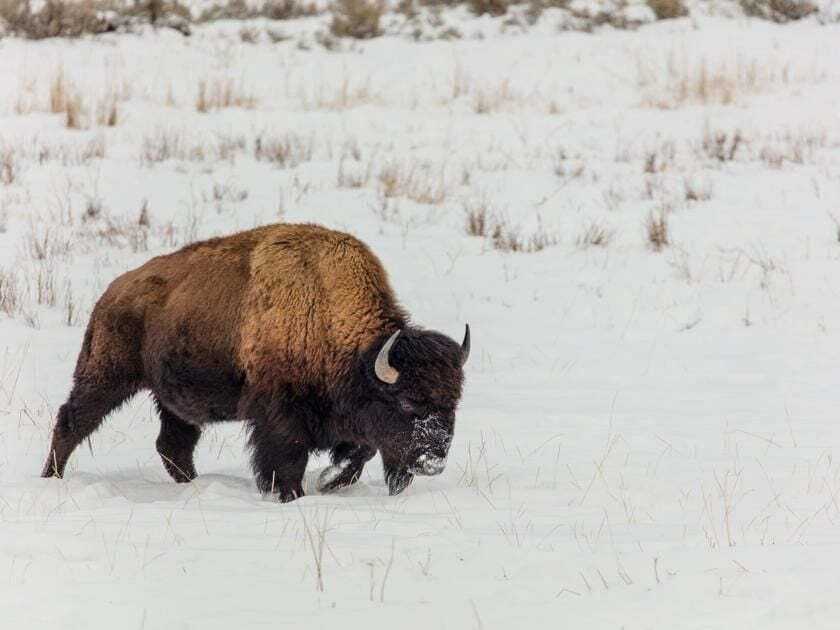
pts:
[279, 326]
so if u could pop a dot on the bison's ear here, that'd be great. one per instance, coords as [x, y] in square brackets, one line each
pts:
[465, 346]
[382, 366]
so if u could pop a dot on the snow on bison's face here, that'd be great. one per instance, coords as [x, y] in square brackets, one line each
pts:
[419, 376]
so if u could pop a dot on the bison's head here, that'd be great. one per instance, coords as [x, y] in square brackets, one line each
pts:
[418, 376]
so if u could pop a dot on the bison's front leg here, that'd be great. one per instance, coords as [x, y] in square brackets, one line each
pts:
[348, 461]
[279, 461]
[397, 474]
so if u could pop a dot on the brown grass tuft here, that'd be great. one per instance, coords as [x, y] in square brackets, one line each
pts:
[667, 9]
[697, 190]
[594, 235]
[489, 7]
[479, 219]
[358, 19]
[657, 231]
[222, 93]
[9, 166]
[287, 151]
[10, 292]
[54, 18]
[780, 11]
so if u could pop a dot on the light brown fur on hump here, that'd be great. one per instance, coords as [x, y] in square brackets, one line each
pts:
[315, 299]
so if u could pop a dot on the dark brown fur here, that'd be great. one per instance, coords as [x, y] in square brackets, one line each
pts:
[278, 326]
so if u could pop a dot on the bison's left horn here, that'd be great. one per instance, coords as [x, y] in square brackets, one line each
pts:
[465, 346]
[382, 367]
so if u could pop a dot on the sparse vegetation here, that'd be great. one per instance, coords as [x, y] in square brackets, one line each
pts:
[507, 238]
[415, 181]
[287, 151]
[667, 9]
[53, 18]
[594, 235]
[9, 166]
[779, 10]
[10, 292]
[657, 231]
[220, 93]
[479, 218]
[358, 19]
[490, 7]
[721, 146]
[697, 189]
[271, 9]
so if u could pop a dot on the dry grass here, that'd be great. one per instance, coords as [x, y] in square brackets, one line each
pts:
[74, 112]
[66, 99]
[11, 293]
[667, 9]
[679, 81]
[45, 275]
[657, 231]
[594, 235]
[9, 165]
[358, 19]
[144, 220]
[660, 158]
[107, 112]
[54, 18]
[287, 151]
[271, 9]
[27, 100]
[482, 221]
[479, 218]
[228, 145]
[720, 146]
[798, 148]
[222, 93]
[697, 189]
[489, 7]
[58, 93]
[508, 238]
[350, 178]
[780, 11]
[415, 181]
[494, 99]
[45, 243]
[163, 145]
[350, 93]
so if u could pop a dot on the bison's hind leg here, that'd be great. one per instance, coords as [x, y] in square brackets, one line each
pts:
[348, 461]
[81, 415]
[176, 445]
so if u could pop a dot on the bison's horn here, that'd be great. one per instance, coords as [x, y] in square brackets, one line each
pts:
[465, 346]
[382, 367]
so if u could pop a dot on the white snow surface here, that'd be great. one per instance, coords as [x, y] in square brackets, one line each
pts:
[646, 439]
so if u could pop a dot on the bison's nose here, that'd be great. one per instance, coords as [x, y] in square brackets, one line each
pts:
[429, 465]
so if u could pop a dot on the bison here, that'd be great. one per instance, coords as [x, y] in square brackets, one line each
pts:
[293, 329]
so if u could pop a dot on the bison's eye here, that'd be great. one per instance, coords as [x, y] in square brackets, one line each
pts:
[406, 406]
[409, 406]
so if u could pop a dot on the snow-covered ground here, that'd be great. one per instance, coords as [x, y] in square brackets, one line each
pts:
[648, 439]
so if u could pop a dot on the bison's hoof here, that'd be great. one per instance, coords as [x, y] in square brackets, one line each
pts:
[338, 476]
[398, 480]
[291, 495]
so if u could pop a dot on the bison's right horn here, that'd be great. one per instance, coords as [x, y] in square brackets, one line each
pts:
[465, 346]
[382, 367]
